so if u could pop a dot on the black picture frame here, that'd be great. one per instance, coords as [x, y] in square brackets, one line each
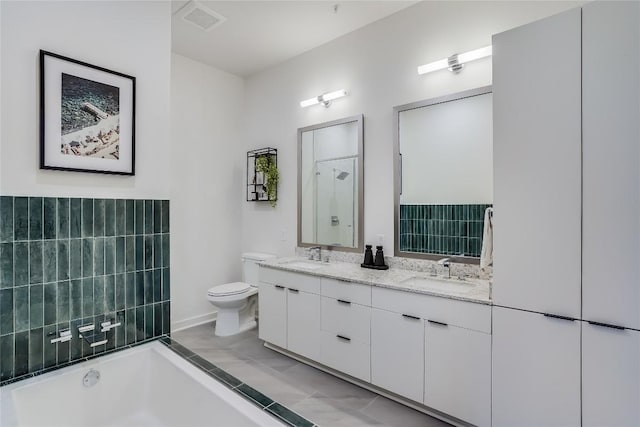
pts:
[69, 141]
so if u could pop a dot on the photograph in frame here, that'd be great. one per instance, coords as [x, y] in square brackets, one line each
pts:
[87, 117]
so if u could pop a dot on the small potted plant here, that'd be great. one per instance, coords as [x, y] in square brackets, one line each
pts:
[266, 165]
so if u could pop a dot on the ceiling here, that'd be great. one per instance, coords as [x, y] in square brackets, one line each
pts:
[260, 34]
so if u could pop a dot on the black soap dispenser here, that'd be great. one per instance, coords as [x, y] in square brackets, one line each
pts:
[379, 262]
[368, 256]
[369, 262]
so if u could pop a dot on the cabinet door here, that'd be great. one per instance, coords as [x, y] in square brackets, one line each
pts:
[303, 323]
[611, 163]
[458, 372]
[272, 306]
[537, 165]
[610, 377]
[535, 370]
[397, 353]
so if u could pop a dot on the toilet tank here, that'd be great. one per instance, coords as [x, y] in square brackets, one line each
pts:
[250, 268]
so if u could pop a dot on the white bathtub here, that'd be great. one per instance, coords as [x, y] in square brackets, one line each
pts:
[147, 385]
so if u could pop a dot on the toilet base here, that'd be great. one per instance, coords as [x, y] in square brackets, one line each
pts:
[232, 322]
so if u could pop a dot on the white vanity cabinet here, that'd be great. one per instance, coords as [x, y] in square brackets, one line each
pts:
[611, 163]
[272, 306]
[433, 350]
[397, 353]
[537, 165]
[610, 376]
[303, 323]
[536, 370]
[289, 305]
[458, 372]
[345, 343]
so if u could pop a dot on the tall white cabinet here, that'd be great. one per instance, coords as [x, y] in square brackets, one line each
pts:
[537, 172]
[536, 369]
[566, 345]
[537, 201]
[611, 214]
[610, 376]
[611, 163]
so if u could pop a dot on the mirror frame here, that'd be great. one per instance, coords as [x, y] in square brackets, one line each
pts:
[397, 171]
[360, 120]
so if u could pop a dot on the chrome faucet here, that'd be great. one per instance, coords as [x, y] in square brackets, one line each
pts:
[446, 262]
[319, 253]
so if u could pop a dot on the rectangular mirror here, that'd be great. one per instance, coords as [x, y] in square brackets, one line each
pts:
[443, 159]
[330, 184]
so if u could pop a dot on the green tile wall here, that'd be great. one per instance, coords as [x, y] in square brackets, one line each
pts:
[442, 229]
[67, 262]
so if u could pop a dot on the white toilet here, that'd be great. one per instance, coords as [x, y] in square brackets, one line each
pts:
[235, 312]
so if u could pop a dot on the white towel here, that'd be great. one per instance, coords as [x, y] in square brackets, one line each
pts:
[486, 256]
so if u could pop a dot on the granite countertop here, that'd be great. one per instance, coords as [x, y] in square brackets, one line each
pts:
[469, 289]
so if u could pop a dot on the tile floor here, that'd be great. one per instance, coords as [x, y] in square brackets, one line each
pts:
[318, 396]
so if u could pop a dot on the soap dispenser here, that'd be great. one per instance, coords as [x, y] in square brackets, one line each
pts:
[368, 255]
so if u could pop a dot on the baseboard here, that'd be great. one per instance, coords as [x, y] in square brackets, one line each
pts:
[193, 321]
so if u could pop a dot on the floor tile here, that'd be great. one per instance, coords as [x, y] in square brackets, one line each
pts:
[394, 414]
[320, 397]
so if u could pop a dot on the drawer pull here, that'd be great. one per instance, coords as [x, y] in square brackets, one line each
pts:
[556, 316]
[279, 287]
[295, 291]
[341, 301]
[408, 316]
[434, 322]
[343, 338]
[606, 325]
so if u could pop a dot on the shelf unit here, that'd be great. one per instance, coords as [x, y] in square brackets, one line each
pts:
[256, 188]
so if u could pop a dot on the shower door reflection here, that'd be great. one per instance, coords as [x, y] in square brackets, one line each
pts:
[330, 184]
[336, 202]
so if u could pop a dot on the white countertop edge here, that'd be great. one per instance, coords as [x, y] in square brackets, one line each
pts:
[389, 279]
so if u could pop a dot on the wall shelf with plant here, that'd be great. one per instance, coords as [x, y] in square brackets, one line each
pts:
[263, 175]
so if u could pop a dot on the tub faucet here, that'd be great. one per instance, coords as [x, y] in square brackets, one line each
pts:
[319, 253]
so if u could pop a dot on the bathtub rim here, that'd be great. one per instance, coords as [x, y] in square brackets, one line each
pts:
[231, 397]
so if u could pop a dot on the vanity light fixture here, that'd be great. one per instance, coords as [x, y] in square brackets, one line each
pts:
[455, 62]
[324, 99]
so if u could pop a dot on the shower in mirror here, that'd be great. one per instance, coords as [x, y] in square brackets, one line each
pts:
[330, 184]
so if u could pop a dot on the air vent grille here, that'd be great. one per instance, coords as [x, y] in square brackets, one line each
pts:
[202, 17]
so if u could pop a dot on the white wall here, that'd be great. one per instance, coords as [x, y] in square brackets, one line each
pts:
[377, 65]
[207, 186]
[133, 37]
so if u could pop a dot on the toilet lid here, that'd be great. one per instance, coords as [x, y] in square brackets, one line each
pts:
[227, 289]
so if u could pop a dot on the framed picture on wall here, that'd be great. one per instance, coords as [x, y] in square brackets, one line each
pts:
[87, 117]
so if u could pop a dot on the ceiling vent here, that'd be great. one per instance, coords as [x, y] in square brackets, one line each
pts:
[201, 16]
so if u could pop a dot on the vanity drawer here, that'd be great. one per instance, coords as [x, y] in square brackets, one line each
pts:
[348, 291]
[346, 355]
[348, 319]
[288, 279]
[463, 314]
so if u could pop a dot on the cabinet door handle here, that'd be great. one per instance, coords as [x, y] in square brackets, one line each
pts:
[343, 338]
[341, 301]
[295, 291]
[434, 322]
[557, 316]
[606, 325]
[408, 316]
[279, 287]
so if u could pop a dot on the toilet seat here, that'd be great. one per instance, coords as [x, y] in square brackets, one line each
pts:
[228, 289]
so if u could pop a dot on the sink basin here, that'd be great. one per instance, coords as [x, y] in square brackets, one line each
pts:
[436, 284]
[308, 265]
